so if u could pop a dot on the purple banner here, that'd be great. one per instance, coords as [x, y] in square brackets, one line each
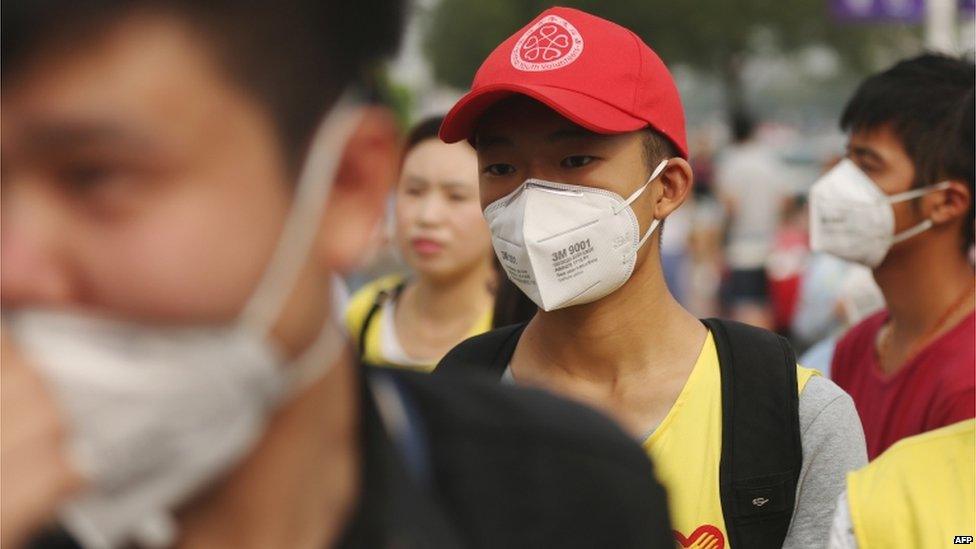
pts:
[967, 6]
[878, 10]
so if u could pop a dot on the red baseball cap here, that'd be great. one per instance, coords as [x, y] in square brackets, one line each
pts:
[596, 73]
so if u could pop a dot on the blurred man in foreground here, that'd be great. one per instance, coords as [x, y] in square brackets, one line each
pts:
[180, 181]
[902, 204]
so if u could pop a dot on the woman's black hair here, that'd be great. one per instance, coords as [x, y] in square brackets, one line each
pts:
[422, 131]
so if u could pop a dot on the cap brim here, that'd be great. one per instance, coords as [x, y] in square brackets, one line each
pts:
[583, 110]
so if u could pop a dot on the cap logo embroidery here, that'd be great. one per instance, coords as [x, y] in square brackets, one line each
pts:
[551, 43]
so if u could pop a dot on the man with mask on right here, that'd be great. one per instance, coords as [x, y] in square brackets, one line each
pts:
[901, 203]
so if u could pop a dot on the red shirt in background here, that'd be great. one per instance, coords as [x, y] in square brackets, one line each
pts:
[936, 387]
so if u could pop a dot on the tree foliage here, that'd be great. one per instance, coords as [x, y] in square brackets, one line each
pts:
[710, 35]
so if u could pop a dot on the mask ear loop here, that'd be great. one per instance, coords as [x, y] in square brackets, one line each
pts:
[302, 224]
[636, 194]
[915, 193]
[916, 230]
[315, 182]
[650, 230]
[908, 195]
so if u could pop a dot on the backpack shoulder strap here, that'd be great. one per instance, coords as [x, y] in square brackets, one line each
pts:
[400, 453]
[485, 354]
[381, 297]
[761, 449]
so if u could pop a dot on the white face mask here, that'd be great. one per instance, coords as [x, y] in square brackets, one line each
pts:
[565, 245]
[156, 413]
[851, 218]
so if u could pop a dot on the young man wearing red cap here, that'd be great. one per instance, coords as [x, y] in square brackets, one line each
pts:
[581, 145]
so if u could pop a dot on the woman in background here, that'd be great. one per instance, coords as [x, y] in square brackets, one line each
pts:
[412, 321]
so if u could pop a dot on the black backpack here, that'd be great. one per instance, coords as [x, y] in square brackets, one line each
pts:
[761, 449]
[391, 294]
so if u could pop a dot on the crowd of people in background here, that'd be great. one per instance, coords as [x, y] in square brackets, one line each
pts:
[243, 308]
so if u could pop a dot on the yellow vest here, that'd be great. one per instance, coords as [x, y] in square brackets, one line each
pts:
[686, 449]
[919, 493]
[359, 306]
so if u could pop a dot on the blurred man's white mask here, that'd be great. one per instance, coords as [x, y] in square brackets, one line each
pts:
[852, 218]
[154, 414]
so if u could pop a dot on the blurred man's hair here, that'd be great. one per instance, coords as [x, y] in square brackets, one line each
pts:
[294, 56]
[927, 102]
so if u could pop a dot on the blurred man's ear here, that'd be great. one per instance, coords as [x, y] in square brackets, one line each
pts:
[358, 199]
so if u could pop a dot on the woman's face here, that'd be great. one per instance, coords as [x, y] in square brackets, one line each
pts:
[440, 229]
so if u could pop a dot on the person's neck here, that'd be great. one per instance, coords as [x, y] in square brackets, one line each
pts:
[299, 486]
[920, 283]
[443, 300]
[638, 327]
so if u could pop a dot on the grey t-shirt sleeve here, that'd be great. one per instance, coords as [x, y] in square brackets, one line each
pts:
[833, 445]
[842, 531]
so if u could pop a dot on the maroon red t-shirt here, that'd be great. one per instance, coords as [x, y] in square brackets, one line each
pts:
[936, 387]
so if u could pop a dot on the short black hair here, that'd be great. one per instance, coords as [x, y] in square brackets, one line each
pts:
[927, 102]
[293, 57]
[422, 131]
[657, 148]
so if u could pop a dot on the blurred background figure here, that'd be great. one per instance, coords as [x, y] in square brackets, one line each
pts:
[785, 264]
[750, 181]
[412, 320]
[835, 295]
[676, 252]
[705, 257]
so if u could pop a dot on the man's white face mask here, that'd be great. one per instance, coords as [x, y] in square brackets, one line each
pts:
[565, 245]
[154, 414]
[851, 218]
